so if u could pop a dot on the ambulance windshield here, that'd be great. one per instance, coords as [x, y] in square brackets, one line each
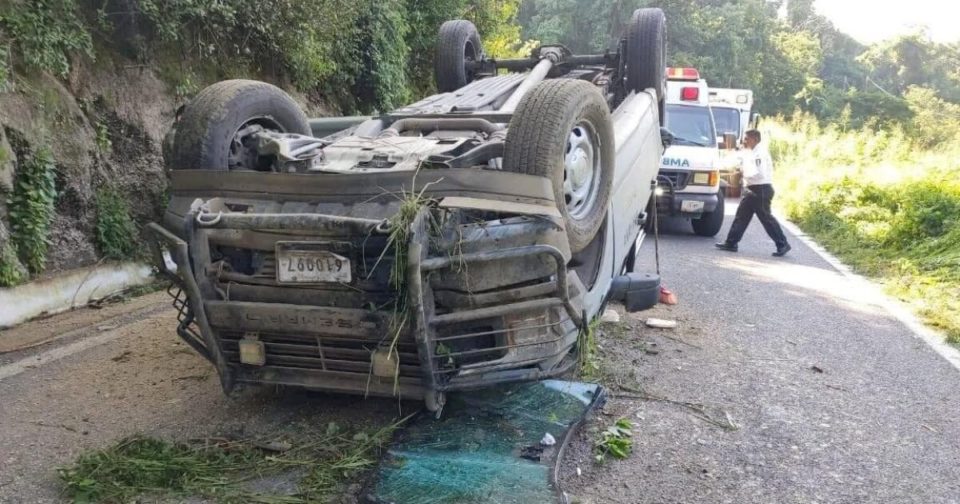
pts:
[691, 125]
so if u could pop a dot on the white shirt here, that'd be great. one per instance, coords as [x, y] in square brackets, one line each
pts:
[757, 166]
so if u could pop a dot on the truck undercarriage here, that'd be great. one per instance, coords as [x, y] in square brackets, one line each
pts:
[427, 250]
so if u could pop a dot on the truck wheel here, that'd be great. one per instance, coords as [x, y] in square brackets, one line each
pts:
[562, 130]
[457, 44]
[709, 224]
[217, 129]
[646, 54]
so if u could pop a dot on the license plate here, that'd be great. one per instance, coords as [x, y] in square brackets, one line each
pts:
[689, 206]
[299, 262]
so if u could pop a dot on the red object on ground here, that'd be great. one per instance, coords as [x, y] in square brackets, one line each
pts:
[667, 297]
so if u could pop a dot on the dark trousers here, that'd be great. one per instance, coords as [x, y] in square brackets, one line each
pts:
[756, 200]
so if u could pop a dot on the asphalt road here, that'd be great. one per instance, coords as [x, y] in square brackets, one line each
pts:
[782, 384]
[120, 371]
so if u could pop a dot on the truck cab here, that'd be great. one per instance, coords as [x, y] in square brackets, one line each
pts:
[688, 184]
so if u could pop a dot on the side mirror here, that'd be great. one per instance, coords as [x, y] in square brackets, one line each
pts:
[754, 120]
[729, 141]
[666, 137]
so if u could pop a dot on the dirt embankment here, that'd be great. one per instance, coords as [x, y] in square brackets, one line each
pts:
[104, 127]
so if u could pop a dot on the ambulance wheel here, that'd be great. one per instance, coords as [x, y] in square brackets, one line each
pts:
[562, 130]
[709, 224]
[646, 54]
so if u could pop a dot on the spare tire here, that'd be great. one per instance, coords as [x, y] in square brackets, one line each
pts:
[646, 54]
[562, 130]
[457, 44]
[216, 130]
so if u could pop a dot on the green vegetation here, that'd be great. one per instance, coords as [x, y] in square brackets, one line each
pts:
[31, 208]
[102, 138]
[886, 202]
[116, 232]
[12, 271]
[588, 352]
[45, 33]
[798, 61]
[221, 469]
[360, 55]
[615, 441]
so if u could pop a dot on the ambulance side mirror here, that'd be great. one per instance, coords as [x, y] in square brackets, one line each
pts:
[729, 141]
[666, 137]
[754, 120]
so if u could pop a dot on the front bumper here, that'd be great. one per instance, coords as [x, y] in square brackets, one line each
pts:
[686, 204]
[493, 304]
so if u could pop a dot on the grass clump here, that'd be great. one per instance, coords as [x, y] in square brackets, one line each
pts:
[614, 441]
[31, 208]
[399, 230]
[12, 272]
[115, 230]
[222, 470]
[885, 204]
[589, 361]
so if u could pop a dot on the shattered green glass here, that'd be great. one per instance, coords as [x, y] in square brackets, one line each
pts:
[487, 446]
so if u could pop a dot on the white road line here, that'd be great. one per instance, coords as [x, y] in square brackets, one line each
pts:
[55, 354]
[932, 338]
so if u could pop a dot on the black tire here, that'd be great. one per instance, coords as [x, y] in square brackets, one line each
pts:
[709, 224]
[209, 125]
[457, 43]
[541, 131]
[646, 54]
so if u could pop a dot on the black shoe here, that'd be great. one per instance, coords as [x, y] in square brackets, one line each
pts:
[782, 250]
[729, 247]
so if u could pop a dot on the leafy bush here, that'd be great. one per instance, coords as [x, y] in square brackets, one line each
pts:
[46, 33]
[881, 201]
[116, 231]
[31, 208]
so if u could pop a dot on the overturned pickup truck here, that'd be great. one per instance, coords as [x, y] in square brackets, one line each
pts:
[461, 241]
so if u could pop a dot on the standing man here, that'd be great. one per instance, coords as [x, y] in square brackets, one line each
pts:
[758, 175]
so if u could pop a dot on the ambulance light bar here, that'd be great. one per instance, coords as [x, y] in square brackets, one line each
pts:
[683, 74]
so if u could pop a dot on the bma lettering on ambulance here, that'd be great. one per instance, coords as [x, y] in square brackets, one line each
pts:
[688, 184]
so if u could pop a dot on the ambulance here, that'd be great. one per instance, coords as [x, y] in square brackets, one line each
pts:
[688, 183]
[732, 113]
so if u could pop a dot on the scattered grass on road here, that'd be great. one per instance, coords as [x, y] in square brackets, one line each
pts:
[614, 441]
[224, 470]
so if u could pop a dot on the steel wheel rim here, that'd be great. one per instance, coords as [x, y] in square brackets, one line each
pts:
[243, 153]
[581, 170]
[469, 56]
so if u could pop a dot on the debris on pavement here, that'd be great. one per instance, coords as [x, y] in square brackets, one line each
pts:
[610, 316]
[667, 296]
[661, 323]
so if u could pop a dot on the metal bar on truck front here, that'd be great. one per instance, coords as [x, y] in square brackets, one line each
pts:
[496, 311]
[434, 263]
[290, 222]
[537, 74]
